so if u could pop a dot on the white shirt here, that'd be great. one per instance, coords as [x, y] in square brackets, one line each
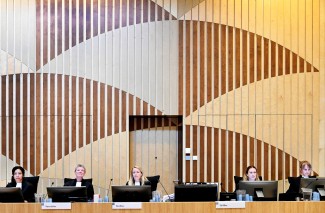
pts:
[19, 185]
[137, 183]
[78, 184]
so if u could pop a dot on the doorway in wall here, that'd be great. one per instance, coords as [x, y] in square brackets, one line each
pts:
[156, 146]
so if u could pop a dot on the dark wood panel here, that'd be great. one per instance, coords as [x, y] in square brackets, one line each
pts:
[195, 66]
[280, 60]
[180, 68]
[258, 58]
[117, 14]
[216, 153]
[230, 161]
[216, 61]
[231, 57]
[202, 147]
[251, 58]
[223, 59]
[287, 62]
[244, 57]
[238, 59]
[294, 63]
[95, 111]
[238, 172]
[273, 59]
[224, 164]
[110, 110]
[209, 61]
[301, 65]
[144, 108]
[266, 58]
[266, 162]
[187, 68]
[201, 67]
[209, 153]
[45, 119]
[110, 14]
[74, 114]
[280, 163]
[117, 110]
[187, 145]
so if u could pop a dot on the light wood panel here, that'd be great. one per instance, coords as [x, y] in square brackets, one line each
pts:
[174, 207]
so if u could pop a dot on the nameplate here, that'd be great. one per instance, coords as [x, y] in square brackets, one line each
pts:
[127, 205]
[230, 204]
[56, 205]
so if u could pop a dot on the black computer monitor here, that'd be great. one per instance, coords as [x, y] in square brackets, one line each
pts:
[269, 189]
[131, 193]
[196, 192]
[11, 195]
[312, 183]
[67, 194]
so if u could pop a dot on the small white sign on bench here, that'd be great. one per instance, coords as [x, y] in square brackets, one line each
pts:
[66, 205]
[230, 204]
[127, 205]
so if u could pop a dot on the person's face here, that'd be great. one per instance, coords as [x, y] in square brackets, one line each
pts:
[80, 172]
[305, 171]
[136, 173]
[251, 174]
[18, 176]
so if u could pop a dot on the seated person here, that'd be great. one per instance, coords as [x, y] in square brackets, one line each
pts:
[18, 180]
[305, 172]
[249, 175]
[137, 178]
[80, 172]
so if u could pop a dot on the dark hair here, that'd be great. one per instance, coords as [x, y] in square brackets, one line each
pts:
[246, 172]
[13, 172]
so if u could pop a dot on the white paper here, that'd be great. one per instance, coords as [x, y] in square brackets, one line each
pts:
[127, 205]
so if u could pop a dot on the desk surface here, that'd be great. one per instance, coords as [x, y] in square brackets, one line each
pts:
[251, 207]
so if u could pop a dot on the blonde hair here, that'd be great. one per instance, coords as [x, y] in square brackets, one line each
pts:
[303, 164]
[131, 181]
[80, 165]
[247, 169]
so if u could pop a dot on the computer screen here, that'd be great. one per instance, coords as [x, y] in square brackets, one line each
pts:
[67, 194]
[312, 183]
[11, 195]
[269, 189]
[196, 192]
[131, 193]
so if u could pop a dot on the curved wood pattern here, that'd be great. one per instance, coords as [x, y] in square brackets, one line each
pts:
[62, 115]
[228, 139]
[233, 57]
[139, 12]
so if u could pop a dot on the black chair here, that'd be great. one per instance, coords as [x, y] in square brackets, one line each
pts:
[154, 180]
[34, 181]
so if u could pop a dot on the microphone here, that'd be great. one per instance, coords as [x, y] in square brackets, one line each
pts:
[165, 190]
[109, 186]
[52, 183]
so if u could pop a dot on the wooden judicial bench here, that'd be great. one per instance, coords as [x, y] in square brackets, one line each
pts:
[172, 207]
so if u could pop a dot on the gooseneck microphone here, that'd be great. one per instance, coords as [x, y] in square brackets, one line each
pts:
[164, 190]
[109, 186]
[52, 183]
